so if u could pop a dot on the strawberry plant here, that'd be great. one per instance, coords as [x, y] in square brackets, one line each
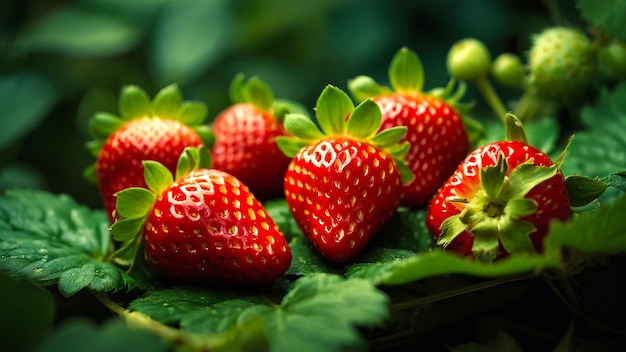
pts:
[514, 239]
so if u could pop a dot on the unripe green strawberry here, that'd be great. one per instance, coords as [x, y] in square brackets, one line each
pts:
[508, 70]
[469, 59]
[562, 62]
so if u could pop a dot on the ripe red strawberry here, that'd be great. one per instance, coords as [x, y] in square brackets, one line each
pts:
[205, 226]
[245, 138]
[146, 130]
[438, 137]
[343, 184]
[500, 200]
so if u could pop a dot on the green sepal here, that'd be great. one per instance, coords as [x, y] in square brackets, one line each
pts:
[134, 103]
[389, 137]
[90, 173]
[206, 134]
[259, 94]
[254, 91]
[127, 229]
[290, 146]
[583, 190]
[406, 73]
[399, 151]
[167, 103]
[103, 124]
[134, 202]
[191, 159]
[192, 113]
[125, 255]
[235, 89]
[514, 129]
[450, 229]
[515, 237]
[282, 107]
[365, 120]
[363, 87]
[406, 175]
[486, 244]
[157, 176]
[492, 178]
[302, 127]
[525, 177]
[94, 146]
[520, 207]
[332, 108]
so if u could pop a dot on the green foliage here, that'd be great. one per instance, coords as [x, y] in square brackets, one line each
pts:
[606, 15]
[52, 240]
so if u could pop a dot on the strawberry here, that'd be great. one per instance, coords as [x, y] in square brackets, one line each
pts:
[438, 137]
[245, 138]
[145, 130]
[204, 226]
[562, 62]
[344, 181]
[500, 200]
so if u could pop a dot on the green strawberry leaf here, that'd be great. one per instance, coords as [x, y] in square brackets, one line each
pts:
[134, 103]
[302, 127]
[436, 263]
[605, 15]
[389, 137]
[167, 103]
[365, 120]
[135, 202]
[290, 146]
[601, 231]
[259, 94]
[306, 260]
[103, 124]
[583, 190]
[406, 73]
[319, 312]
[617, 180]
[600, 149]
[157, 176]
[332, 108]
[192, 113]
[51, 239]
[363, 87]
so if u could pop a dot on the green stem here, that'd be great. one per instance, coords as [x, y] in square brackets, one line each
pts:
[489, 93]
[198, 342]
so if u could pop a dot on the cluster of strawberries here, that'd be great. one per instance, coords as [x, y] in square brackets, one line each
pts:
[188, 195]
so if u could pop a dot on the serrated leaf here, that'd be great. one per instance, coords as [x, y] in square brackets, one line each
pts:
[134, 103]
[44, 236]
[606, 15]
[135, 202]
[600, 231]
[192, 113]
[365, 120]
[600, 150]
[406, 72]
[332, 108]
[167, 103]
[437, 263]
[177, 52]
[319, 312]
[617, 180]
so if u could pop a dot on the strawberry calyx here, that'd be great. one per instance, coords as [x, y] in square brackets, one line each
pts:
[406, 76]
[134, 204]
[338, 117]
[494, 214]
[134, 103]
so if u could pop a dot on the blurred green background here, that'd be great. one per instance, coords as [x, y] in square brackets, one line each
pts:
[61, 61]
